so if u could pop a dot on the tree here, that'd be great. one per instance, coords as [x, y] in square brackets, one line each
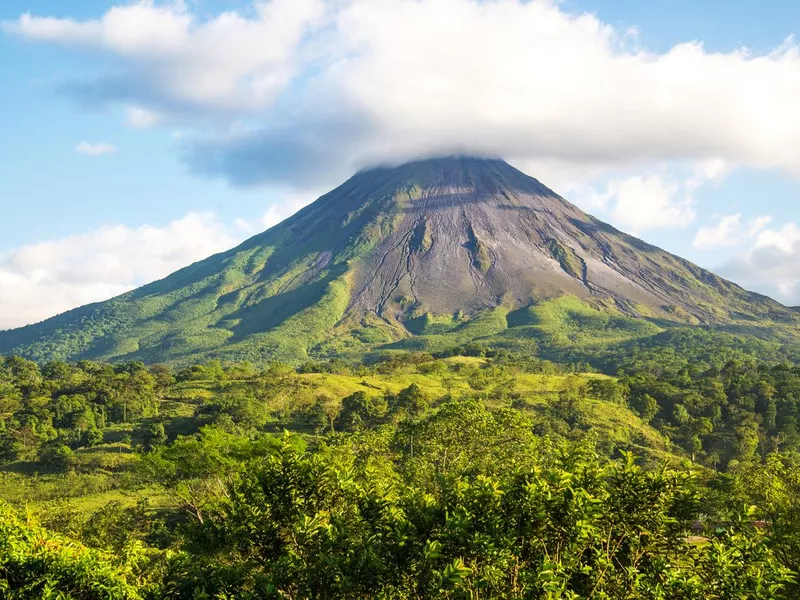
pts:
[92, 437]
[774, 488]
[359, 410]
[770, 414]
[193, 469]
[745, 442]
[57, 457]
[163, 376]
[695, 446]
[322, 415]
[10, 447]
[243, 408]
[10, 400]
[413, 400]
[567, 407]
[154, 436]
[114, 525]
[609, 390]
[22, 373]
[648, 408]
[681, 415]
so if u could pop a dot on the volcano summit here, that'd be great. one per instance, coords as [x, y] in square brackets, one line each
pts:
[460, 248]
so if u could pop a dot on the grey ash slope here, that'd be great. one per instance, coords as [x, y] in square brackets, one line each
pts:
[435, 238]
[478, 233]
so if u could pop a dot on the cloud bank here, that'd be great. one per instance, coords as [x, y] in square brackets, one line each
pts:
[385, 80]
[47, 278]
[772, 264]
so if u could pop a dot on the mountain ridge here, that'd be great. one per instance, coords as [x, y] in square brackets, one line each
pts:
[445, 241]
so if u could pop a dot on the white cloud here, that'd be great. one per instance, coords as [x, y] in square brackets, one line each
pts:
[662, 197]
[646, 202]
[290, 203]
[771, 265]
[730, 231]
[46, 278]
[757, 224]
[725, 233]
[342, 83]
[141, 118]
[784, 239]
[531, 79]
[100, 149]
[229, 62]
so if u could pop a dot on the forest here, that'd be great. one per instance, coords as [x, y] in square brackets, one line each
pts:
[668, 473]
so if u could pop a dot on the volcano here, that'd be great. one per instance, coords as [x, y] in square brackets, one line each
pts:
[420, 249]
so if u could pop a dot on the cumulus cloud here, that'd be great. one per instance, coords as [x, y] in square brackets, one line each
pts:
[330, 85]
[141, 118]
[47, 278]
[170, 58]
[772, 264]
[99, 149]
[645, 202]
[661, 197]
[724, 233]
[729, 231]
[278, 212]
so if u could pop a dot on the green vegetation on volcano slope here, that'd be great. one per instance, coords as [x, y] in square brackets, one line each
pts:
[423, 256]
[270, 299]
[568, 329]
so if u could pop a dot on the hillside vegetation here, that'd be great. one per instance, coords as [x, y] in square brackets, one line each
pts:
[475, 473]
[423, 256]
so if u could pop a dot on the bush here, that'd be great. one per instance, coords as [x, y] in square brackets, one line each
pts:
[57, 457]
[35, 564]
[316, 525]
[92, 437]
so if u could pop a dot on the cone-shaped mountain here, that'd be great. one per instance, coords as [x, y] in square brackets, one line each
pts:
[391, 253]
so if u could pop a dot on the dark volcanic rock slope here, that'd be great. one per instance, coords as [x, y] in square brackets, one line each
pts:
[473, 233]
[436, 238]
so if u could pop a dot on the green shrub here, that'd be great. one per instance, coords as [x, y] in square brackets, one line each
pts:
[38, 565]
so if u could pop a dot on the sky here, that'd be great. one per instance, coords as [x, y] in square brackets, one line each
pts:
[140, 136]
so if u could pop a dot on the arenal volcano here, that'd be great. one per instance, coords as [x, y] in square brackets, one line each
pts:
[425, 248]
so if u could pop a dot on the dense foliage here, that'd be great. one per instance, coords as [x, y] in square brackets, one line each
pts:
[537, 522]
[489, 475]
[732, 415]
[35, 563]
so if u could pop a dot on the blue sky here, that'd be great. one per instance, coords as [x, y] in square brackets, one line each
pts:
[52, 190]
[150, 134]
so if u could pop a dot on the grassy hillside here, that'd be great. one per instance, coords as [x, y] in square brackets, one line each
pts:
[282, 400]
